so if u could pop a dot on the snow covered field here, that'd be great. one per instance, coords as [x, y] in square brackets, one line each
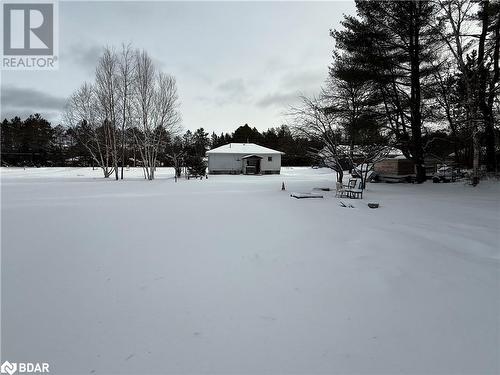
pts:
[232, 276]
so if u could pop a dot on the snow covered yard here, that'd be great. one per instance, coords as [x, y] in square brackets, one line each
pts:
[231, 275]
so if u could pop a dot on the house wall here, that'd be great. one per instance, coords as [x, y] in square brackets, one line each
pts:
[233, 164]
[224, 163]
[396, 167]
[273, 166]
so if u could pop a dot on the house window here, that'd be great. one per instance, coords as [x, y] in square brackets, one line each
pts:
[269, 158]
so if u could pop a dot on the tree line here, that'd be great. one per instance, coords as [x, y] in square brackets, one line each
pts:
[35, 142]
[412, 75]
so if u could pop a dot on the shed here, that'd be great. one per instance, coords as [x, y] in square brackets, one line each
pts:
[398, 166]
[246, 158]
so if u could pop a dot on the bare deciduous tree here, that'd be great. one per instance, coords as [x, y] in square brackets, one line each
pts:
[156, 108]
[107, 93]
[312, 120]
[366, 156]
[82, 114]
[129, 97]
[316, 121]
[126, 71]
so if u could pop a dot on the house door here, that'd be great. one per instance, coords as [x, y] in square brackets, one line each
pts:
[253, 166]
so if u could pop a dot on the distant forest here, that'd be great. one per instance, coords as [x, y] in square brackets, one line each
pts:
[35, 142]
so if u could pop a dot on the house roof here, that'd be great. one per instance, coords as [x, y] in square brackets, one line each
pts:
[243, 148]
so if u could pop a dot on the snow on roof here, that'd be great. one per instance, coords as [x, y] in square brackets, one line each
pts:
[243, 148]
[251, 156]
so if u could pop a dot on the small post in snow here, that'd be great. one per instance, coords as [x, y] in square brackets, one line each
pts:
[283, 185]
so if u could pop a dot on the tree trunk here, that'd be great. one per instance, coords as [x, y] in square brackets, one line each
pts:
[415, 95]
[475, 161]
[489, 123]
[123, 155]
[489, 135]
[340, 176]
[487, 115]
[116, 168]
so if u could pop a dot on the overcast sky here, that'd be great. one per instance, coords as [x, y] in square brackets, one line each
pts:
[235, 62]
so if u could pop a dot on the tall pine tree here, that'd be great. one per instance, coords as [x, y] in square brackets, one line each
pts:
[393, 45]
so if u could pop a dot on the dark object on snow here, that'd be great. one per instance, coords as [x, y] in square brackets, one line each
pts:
[447, 173]
[305, 195]
[283, 186]
[352, 190]
[373, 205]
[322, 188]
[355, 190]
[348, 205]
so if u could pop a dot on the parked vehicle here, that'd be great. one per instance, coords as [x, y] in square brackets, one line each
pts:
[447, 173]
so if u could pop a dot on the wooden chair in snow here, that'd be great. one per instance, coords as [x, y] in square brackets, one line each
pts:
[341, 190]
[356, 189]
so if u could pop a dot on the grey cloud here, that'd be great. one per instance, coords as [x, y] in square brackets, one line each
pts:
[232, 91]
[278, 99]
[31, 99]
[303, 80]
[206, 100]
[291, 86]
[276, 64]
[232, 86]
[192, 71]
[85, 55]
[22, 102]
[160, 64]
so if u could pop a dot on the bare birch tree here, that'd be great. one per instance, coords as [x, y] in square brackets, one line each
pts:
[156, 109]
[129, 97]
[107, 94]
[126, 71]
[82, 114]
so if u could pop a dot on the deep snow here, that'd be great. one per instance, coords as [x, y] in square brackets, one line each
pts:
[231, 275]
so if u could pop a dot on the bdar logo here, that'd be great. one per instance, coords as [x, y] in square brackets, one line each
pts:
[8, 368]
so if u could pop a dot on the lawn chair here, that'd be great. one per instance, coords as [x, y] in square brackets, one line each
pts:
[342, 191]
[339, 190]
[356, 191]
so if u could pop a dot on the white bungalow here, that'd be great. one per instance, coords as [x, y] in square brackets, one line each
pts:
[246, 158]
